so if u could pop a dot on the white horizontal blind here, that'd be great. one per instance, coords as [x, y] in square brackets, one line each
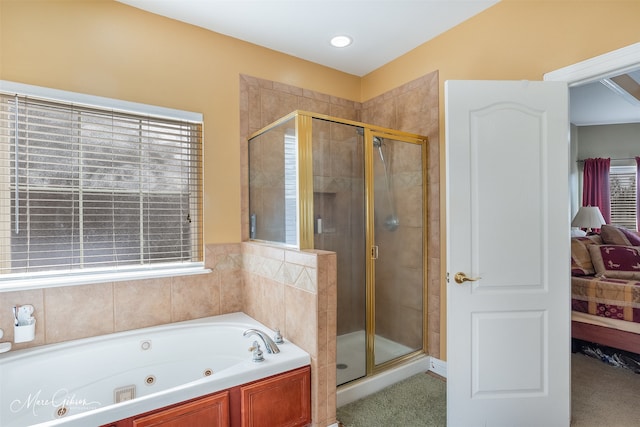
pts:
[622, 182]
[290, 189]
[91, 188]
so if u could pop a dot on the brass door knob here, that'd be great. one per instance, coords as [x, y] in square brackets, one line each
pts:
[460, 278]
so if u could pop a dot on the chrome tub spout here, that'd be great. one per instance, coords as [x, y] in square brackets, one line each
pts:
[269, 345]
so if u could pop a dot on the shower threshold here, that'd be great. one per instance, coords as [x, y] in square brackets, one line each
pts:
[351, 354]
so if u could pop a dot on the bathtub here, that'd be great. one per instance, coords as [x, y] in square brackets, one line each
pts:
[103, 379]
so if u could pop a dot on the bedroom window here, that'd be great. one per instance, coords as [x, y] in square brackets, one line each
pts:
[622, 184]
[93, 190]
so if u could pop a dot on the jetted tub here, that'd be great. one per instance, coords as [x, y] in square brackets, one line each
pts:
[93, 381]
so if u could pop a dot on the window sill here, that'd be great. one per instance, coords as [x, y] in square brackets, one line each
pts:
[73, 279]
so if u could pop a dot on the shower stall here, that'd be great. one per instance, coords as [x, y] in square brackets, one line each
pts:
[320, 182]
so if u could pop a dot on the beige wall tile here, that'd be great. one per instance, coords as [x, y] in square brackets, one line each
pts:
[303, 258]
[322, 338]
[223, 256]
[351, 111]
[270, 304]
[142, 303]
[231, 291]
[75, 312]
[314, 105]
[194, 296]
[321, 396]
[301, 323]
[250, 289]
[275, 104]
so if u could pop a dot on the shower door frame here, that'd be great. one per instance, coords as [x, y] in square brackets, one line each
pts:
[369, 133]
[305, 218]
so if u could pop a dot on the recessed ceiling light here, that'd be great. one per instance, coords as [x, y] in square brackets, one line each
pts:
[341, 41]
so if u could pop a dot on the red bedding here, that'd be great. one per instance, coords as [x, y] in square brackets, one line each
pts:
[612, 298]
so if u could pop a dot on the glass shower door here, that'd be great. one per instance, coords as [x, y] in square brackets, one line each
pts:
[339, 226]
[399, 242]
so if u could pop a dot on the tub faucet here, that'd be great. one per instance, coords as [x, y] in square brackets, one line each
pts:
[268, 342]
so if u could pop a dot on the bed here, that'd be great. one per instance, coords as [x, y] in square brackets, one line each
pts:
[605, 288]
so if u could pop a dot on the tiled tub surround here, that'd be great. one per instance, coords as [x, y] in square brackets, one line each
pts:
[296, 292]
[100, 380]
[286, 289]
[72, 312]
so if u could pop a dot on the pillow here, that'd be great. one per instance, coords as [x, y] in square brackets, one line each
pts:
[581, 264]
[577, 232]
[615, 261]
[616, 235]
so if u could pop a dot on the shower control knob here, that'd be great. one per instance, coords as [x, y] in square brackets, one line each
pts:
[257, 353]
[277, 338]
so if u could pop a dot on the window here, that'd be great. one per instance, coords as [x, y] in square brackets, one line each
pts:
[96, 190]
[290, 188]
[622, 183]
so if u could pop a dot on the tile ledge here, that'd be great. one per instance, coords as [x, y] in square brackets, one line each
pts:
[35, 282]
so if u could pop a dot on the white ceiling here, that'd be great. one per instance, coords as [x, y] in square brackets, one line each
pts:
[382, 30]
[598, 104]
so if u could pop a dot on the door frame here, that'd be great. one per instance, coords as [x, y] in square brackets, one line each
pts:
[615, 62]
[591, 70]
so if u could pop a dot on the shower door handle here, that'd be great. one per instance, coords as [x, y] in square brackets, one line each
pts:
[374, 252]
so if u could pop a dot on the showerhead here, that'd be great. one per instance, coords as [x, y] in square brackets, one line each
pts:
[377, 141]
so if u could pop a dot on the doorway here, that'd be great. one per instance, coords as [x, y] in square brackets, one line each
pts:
[624, 60]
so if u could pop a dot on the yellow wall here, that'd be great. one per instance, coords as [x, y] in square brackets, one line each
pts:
[513, 40]
[105, 48]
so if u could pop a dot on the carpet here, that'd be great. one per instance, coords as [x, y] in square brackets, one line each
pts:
[418, 401]
[601, 395]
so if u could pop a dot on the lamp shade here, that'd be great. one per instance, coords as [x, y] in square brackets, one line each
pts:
[588, 217]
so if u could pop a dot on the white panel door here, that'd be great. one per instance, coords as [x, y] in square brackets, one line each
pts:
[508, 330]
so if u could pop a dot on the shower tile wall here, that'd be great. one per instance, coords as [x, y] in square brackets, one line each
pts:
[263, 101]
[413, 107]
[339, 200]
[399, 273]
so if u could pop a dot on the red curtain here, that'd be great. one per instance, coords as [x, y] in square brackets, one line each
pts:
[637, 193]
[595, 186]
